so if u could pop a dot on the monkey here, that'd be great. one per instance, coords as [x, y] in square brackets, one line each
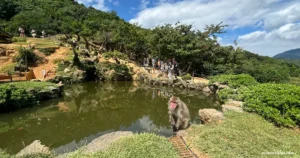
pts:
[179, 115]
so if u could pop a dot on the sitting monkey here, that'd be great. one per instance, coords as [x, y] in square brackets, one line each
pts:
[179, 115]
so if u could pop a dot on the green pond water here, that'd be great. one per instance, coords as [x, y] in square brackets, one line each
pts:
[89, 110]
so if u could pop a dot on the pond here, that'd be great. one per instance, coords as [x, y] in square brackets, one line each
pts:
[89, 110]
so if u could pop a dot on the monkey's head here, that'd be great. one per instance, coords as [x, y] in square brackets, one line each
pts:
[173, 102]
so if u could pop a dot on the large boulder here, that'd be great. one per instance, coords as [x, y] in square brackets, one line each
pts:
[103, 142]
[206, 90]
[34, 148]
[210, 115]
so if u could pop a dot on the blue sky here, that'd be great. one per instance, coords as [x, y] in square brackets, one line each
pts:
[265, 27]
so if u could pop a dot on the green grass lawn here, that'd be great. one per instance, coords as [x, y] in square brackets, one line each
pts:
[244, 135]
[137, 146]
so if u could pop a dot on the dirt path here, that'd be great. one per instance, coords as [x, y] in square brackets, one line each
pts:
[60, 53]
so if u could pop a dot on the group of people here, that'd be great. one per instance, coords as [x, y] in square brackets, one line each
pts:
[33, 33]
[168, 67]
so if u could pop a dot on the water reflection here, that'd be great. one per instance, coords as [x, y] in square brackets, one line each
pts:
[92, 109]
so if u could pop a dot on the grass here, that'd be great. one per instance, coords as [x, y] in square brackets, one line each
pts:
[40, 42]
[35, 85]
[136, 146]
[7, 68]
[244, 135]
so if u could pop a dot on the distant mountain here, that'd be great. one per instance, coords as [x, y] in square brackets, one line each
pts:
[290, 54]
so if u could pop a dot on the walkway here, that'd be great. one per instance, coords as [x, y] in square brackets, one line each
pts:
[181, 147]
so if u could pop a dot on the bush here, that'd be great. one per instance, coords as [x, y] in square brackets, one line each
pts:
[186, 77]
[234, 81]
[229, 93]
[111, 71]
[19, 39]
[279, 103]
[115, 54]
[8, 69]
[32, 58]
[47, 51]
[13, 98]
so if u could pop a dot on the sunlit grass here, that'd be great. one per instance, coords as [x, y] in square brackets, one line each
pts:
[244, 135]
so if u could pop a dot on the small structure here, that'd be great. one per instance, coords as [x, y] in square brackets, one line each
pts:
[5, 37]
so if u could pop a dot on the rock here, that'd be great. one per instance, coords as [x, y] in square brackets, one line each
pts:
[34, 148]
[213, 88]
[223, 87]
[8, 52]
[103, 142]
[2, 52]
[231, 108]
[192, 86]
[210, 115]
[206, 89]
[67, 70]
[235, 103]
[35, 80]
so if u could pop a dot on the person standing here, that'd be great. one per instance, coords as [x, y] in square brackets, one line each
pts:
[21, 30]
[44, 73]
[33, 33]
[153, 65]
[175, 65]
[43, 34]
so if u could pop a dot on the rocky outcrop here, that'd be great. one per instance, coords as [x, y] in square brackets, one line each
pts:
[210, 115]
[48, 92]
[34, 148]
[147, 78]
[216, 87]
[101, 143]
[105, 141]
[233, 105]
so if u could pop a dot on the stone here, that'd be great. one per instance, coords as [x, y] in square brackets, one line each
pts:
[2, 52]
[67, 70]
[235, 103]
[213, 88]
[8, 52]
[35, 80]
[210, 115]
[206, 89]
[34, 148]
[103, 142]
[231, 108]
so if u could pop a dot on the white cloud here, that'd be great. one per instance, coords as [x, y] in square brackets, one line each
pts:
[144, 4]
[271, 43]
[116, 3]
[98, 4]
[270, 16]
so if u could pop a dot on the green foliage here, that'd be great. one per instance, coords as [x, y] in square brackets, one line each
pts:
[224, 140]
[278, 103]
[186, 77]
[115, 54]
[112, 71]
[234, 81]
[47, 51]
[9, 69]
[32, 58]
[13, 98]
[229, 93]
[137, 146]
[19, 39]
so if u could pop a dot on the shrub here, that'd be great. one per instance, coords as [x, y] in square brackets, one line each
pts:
[111, 71]
[186, 77]
[8, 69]
[115, 54]
[234, 81]
[229, 93]
[279, 103]
[19, 39]
[13, 98]
[47, 51]
[32, 58]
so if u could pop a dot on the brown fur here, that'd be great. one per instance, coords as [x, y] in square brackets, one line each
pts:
[180, 116]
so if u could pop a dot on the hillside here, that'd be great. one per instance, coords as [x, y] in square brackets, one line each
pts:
[290, 54]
